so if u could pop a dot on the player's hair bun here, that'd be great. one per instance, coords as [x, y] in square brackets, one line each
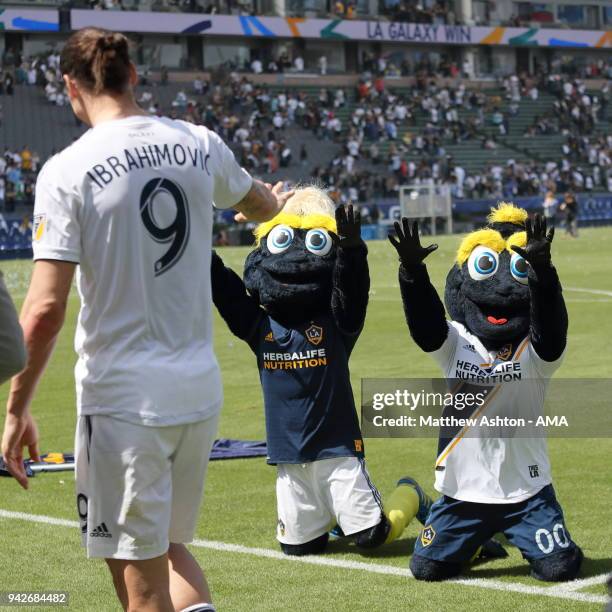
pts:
[98, 59]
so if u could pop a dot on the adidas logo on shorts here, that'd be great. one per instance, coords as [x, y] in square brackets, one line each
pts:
[101, 531]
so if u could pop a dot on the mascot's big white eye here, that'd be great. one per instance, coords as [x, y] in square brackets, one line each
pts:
[518, 268]
[279, 239]
[318, 241]
[482, 263]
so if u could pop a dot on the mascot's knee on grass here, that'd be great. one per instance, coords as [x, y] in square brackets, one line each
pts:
[301, 309]
[314, 547]
[431, 570]
[508, 323]
[559, 567]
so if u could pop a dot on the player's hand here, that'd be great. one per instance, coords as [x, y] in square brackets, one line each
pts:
[537, 250]
[280, 195]
[348, 222]
[19, 431]
[408, 244]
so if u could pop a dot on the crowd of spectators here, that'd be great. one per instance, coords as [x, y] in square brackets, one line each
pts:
[42, 71]
[564, 66]
[282, 63]
[249, 117]
[412, 11]
[437, 12]
[184, 6]
[389, 138]
[18, 171]
[496, 181]
[384, 64]
[419, 154]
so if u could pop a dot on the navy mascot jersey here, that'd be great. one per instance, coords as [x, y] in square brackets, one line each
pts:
[301, 307]
[309, 405]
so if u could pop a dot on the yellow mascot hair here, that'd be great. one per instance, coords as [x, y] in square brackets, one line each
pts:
[308, 208]
[505, 212]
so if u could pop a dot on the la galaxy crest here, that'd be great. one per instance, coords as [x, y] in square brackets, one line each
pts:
[427, 535]
[505, 352]
[314, 334]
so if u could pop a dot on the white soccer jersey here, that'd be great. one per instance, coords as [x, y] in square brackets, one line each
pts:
[488, 469]
[131, 202]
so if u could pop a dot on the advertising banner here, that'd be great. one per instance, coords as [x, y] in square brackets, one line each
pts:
[29, 20]
[337, 29]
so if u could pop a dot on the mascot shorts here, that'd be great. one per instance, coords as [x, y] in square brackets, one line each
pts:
[139, 487]
[312, 497]
[455, 529]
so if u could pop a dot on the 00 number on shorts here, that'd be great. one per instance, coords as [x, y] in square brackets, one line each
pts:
[546, 540]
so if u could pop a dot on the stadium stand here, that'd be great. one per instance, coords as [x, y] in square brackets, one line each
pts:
[398, 116]
[416, 133]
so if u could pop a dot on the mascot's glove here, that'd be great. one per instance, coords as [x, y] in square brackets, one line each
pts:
[537, 250]
[348, 223]
[408, 244]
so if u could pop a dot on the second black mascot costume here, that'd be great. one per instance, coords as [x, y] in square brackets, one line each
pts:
[508, 323]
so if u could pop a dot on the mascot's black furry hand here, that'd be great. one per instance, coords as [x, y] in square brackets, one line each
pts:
[537, 250]
[348, 223]
[408, 244]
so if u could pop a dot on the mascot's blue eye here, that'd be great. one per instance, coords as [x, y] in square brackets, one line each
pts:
[318, 241]
[482, 263]
[279, 239]
[518, 268]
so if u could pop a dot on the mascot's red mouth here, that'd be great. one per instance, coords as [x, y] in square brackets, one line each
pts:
[502, 321]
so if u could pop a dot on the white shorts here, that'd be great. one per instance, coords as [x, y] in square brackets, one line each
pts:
[312, 497]
[139, 487]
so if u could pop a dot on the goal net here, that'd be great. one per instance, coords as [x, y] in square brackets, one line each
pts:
[428, 203]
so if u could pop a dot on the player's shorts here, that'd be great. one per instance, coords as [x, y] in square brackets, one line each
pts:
[312, 497]
[455, 529]
[139, 487]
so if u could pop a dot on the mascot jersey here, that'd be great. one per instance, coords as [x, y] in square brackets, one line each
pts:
[485, 468]
[301, 308]
[310, 412]
[507, 333]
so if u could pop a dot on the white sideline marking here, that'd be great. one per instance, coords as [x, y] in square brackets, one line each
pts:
[375, 568]
[593, 291]
[567, 591]
[583, 583]
[603, 300]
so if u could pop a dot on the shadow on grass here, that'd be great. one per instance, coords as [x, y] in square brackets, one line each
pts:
[590, 567]
[399, 548]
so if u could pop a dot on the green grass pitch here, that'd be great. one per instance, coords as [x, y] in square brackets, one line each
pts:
[239, 506]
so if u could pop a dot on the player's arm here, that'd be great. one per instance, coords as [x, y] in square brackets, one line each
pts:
[12, 349]
[423, 308]
[238, 309]
[548, 315]
[351, 277]
[262, 202]
[42, 317]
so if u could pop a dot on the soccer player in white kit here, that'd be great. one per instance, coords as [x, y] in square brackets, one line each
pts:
[130, 204]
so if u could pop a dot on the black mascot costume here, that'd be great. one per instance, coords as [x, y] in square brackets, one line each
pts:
[508, 322]
[301, 309]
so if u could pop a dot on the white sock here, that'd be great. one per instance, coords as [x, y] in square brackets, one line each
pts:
[200, 607]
